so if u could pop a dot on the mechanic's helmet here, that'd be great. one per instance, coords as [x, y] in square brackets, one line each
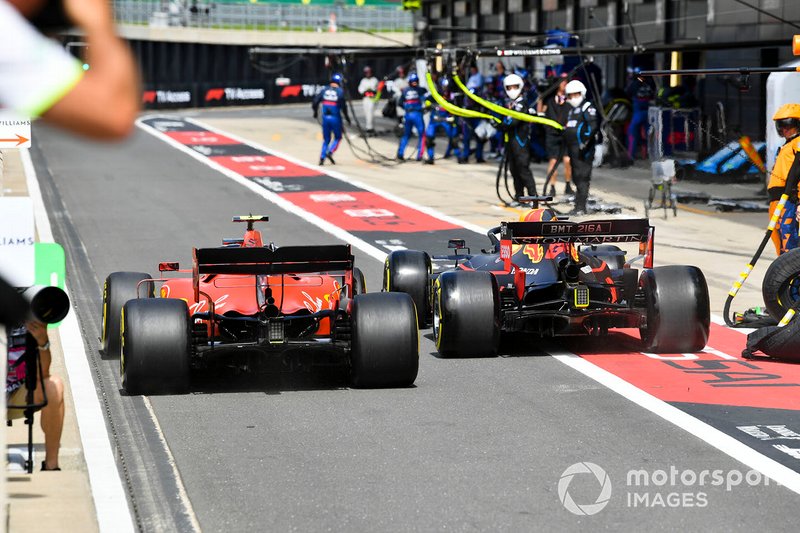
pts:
[576, 92]
[513, 84]
[787, 116]
[413, 79]
[337, 79]
[541, 214]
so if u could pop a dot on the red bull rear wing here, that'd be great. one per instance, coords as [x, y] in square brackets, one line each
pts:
[589, 232]
[564, 232]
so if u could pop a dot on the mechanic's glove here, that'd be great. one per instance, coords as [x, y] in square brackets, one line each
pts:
[450, 120]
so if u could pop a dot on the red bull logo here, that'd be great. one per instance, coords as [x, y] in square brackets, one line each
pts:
[534, 252]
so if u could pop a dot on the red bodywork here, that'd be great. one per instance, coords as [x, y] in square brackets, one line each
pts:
[239, 295]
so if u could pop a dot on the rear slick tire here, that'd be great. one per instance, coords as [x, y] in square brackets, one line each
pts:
[155, 346]
[118, 289]
[466, 314]
[385, 341]
[678, 311]
[409, 271]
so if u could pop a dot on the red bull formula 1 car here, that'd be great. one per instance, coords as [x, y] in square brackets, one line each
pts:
[553, 277]
[245, 303]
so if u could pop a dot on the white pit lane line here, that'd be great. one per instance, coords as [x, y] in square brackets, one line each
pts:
[716, 438]
[110, 501]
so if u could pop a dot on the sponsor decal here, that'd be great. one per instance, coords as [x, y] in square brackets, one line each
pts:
[263, 166]
[505, 249]
[235, 94]
[200, 137]
[332, 197]
[214, 94]
[368, 212]
[304, 90]
[291, 91]
[712, 376]
[167, 97]
[238, 93]
[534, 252]
[770, 432]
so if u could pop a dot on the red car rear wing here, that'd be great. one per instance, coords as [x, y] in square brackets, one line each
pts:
[589, 232]
[283, 260]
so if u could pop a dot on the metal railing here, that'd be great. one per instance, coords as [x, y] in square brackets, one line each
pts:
[261, 16]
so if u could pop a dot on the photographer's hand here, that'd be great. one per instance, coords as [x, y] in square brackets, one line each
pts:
[38, 331]
[105, 102]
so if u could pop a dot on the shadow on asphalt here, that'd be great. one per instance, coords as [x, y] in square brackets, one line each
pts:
[530, 345]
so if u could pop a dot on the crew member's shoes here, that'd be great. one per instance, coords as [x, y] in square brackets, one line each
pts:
[321, 161]
[429, 161]
[330, 158]
[552, 191]
[400, 157]
[45, 469]
[462, 161]
[567, 190]
[577, 213]
[419, 158]
[481, 160]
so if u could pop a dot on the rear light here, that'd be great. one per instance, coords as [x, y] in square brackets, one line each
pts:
[171, 266]
[276, 332]
[581, 294]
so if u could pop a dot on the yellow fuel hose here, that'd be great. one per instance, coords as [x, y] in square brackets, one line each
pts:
[502, 110]
[453, 109]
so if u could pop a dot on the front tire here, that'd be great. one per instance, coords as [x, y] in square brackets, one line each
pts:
[466, 314]
[409, 271]
[118, 289]
[678, 311]
[155, 346]
[385, 341]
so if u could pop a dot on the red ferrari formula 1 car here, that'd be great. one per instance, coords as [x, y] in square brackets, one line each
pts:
[244, 303]
[553, 277]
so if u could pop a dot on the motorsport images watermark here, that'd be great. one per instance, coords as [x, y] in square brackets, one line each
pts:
[672, 488]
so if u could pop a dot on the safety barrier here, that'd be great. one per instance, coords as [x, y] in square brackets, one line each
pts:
[263, 16]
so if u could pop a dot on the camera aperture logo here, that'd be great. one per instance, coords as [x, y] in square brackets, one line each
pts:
[581, 470]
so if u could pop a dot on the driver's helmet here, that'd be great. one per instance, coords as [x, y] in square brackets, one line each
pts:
[541, 214]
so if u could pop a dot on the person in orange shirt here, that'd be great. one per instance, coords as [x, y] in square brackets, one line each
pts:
[784, 177]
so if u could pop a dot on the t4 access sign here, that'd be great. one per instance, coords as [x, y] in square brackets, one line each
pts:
[15, 131]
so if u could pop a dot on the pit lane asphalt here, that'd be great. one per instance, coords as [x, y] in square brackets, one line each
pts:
[477, 444]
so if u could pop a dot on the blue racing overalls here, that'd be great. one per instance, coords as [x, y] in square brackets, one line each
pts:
[333, 105]
[439, 120]
[411, 99]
